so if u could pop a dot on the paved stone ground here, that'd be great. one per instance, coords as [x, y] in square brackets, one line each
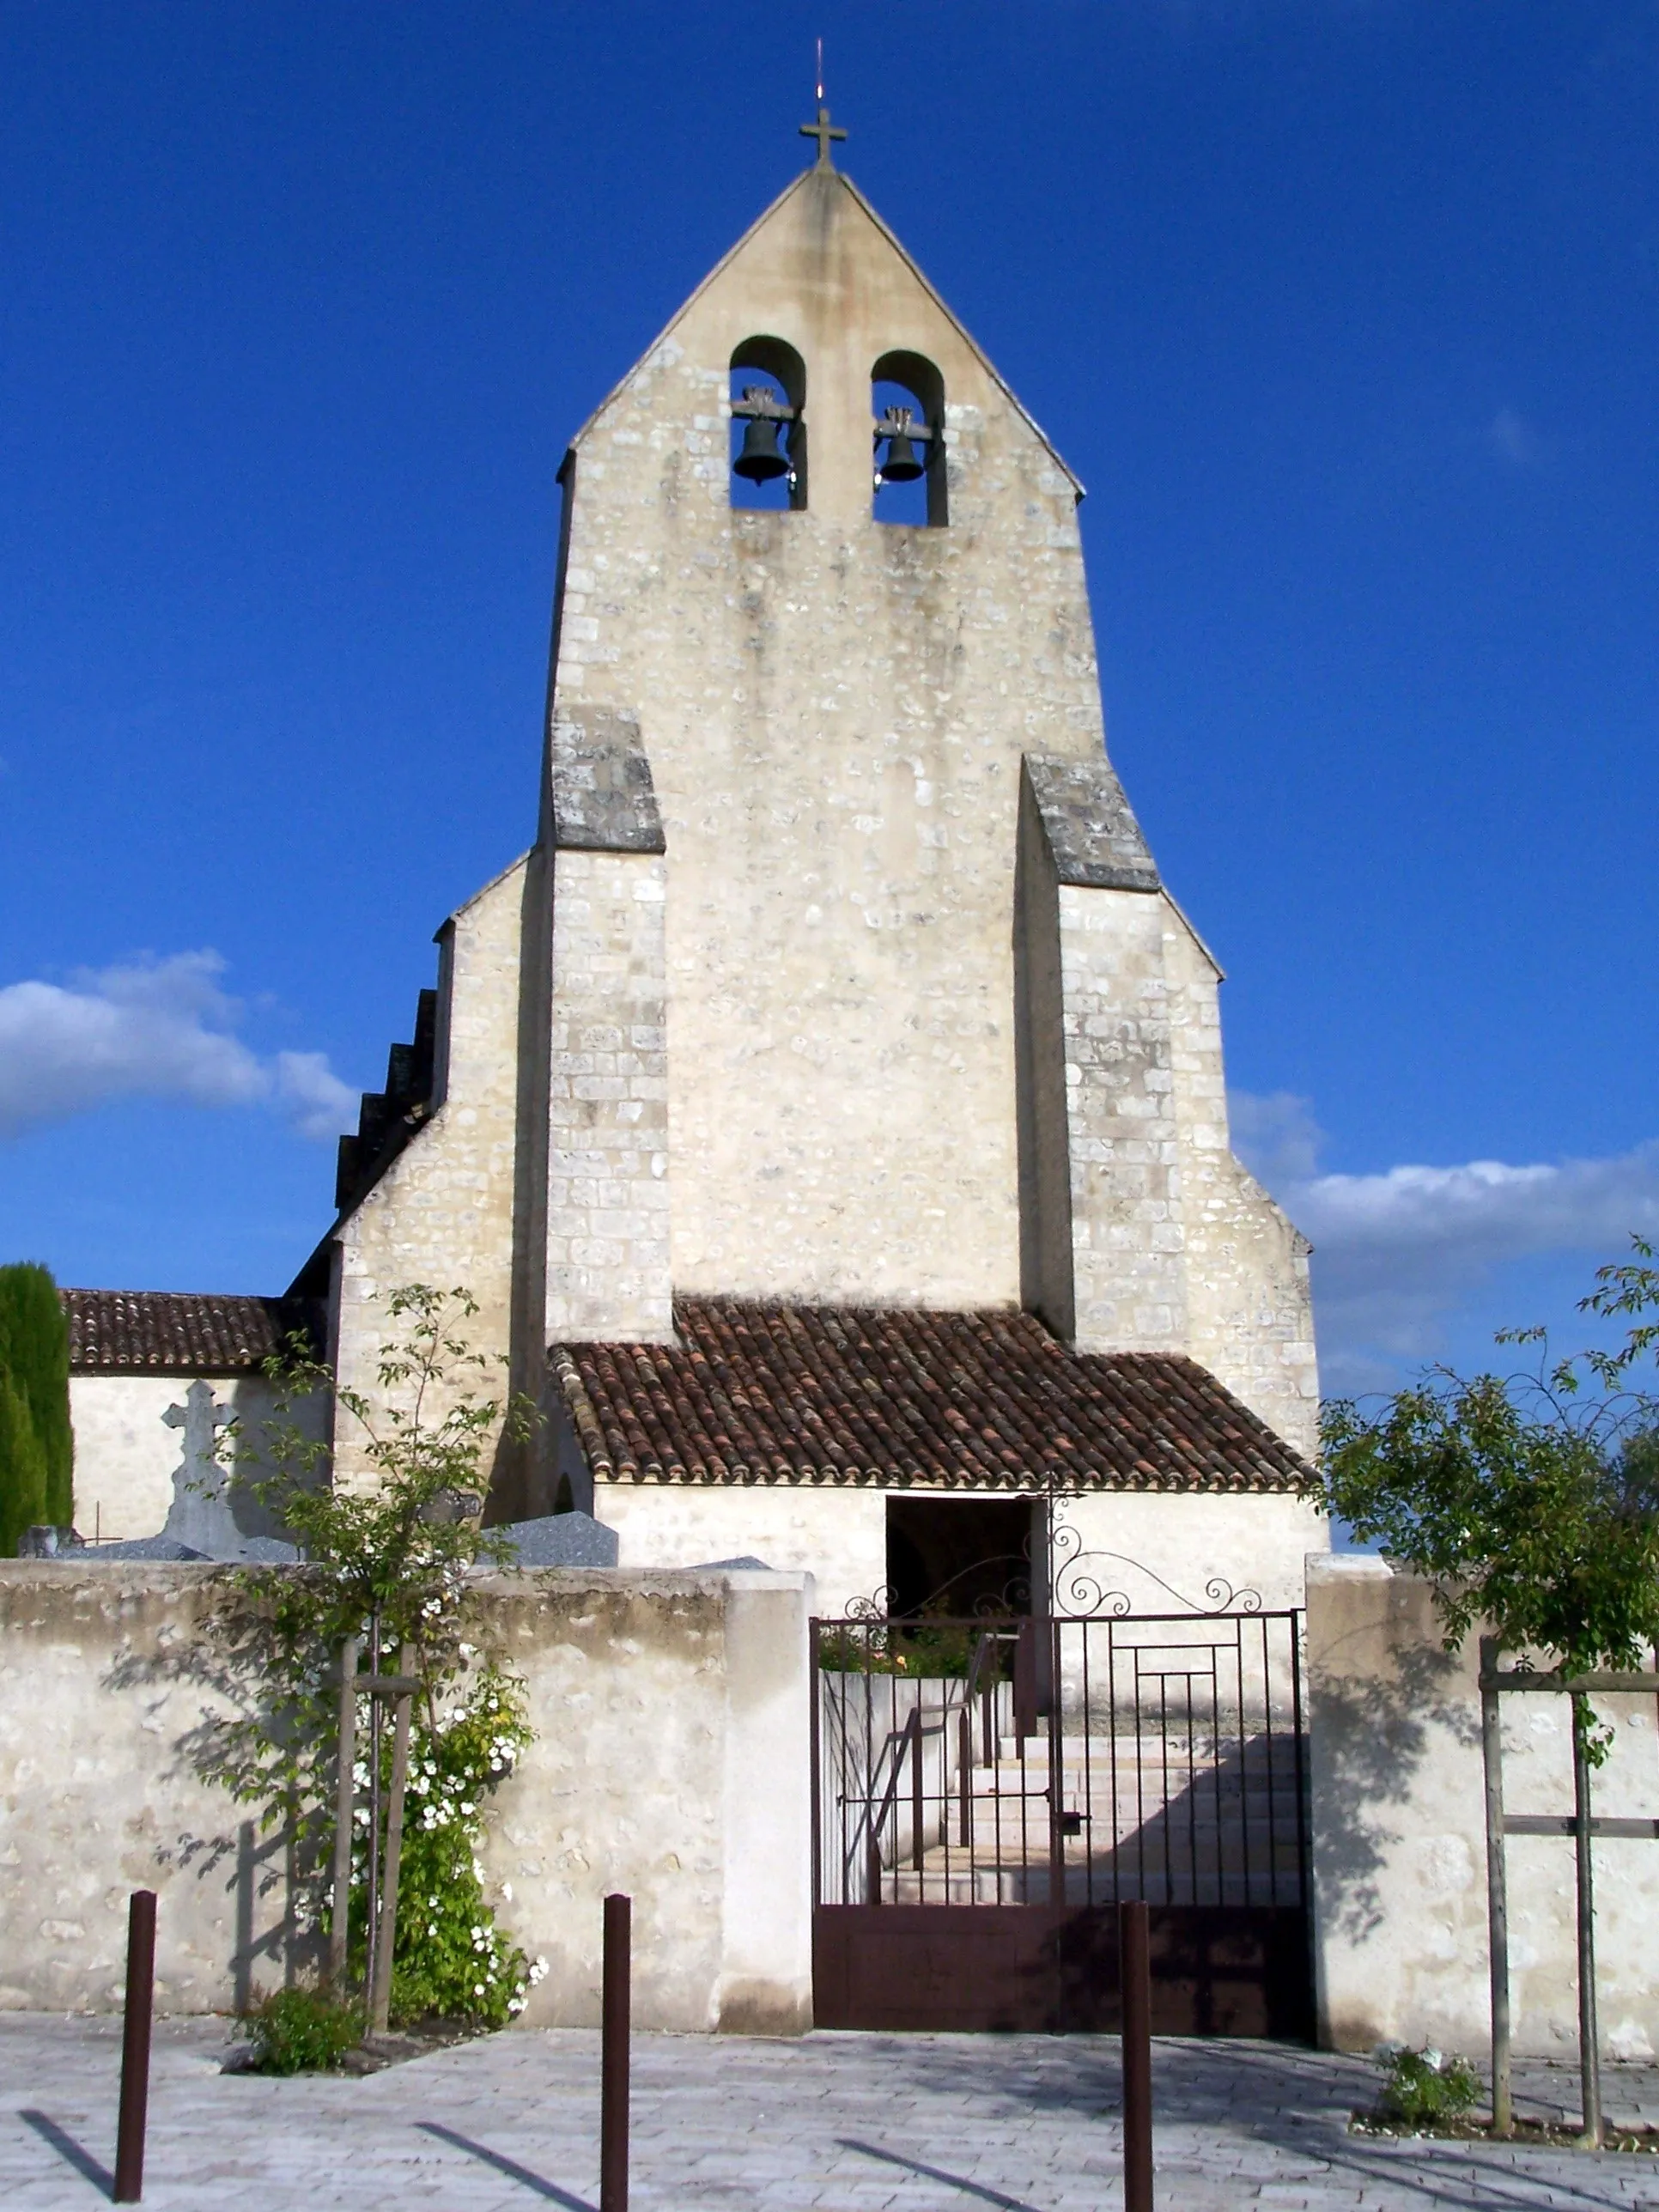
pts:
[849, 2123]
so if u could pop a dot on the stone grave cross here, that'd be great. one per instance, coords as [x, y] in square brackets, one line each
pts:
[200, 1515]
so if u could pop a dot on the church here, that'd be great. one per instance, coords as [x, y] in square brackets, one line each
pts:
[827, 1112]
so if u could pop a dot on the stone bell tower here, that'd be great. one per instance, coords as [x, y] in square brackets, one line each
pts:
[839, 973]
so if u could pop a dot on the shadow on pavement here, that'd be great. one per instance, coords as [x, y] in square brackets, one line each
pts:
[71, 2151]
[937, 2173]
[1283, 2096]
[509, 2167]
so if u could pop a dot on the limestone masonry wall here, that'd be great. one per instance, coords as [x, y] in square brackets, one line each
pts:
[671, 1762]
[608, 1263]
[1127, 1240]
[444, 1211]
[1250, 1303]
[834, 710]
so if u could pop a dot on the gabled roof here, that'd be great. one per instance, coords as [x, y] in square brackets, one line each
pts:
[179, 1331]
[818, 177]
[892, 1397]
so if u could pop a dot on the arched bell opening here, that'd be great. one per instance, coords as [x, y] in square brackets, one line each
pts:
[768, 426]
[907, 403]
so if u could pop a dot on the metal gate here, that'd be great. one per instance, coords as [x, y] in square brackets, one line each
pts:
[986, 1792]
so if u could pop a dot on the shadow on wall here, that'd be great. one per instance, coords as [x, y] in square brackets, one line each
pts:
[1370, 1738]
[267, 1877]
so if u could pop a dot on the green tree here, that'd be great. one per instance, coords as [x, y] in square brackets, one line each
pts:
[22, 1469]
[34, 1354]
[1519, 1505]
[1528, 1500]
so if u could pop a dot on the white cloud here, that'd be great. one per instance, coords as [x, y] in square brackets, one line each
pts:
[147, 1029]
[319, 1104]
[1396, 1253]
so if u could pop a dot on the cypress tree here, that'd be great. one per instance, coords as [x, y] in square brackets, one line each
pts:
[35, 1355]
[22, 1469]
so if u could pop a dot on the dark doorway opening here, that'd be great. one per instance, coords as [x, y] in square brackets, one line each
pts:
[959, 1555]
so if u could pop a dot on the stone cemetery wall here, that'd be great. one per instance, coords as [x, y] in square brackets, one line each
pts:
[1399, 1836]
[671, 1762]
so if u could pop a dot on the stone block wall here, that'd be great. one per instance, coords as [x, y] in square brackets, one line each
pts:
[1126, 1227]
[1249, 1301]
[671, 1762]
[834, 710]
[446, 1211]
[1140, 1230]
[607, 1178]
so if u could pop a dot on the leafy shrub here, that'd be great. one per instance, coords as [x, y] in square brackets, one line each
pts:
[1424, 2087]
[299, 2032]
[920, 1651]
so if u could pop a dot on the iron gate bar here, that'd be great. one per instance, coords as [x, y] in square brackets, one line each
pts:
[814, 1650]
[1304, 1837]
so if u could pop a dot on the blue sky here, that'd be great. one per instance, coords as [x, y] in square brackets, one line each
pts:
[1345, 310]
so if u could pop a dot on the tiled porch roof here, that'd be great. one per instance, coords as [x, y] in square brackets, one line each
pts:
[889, 1396]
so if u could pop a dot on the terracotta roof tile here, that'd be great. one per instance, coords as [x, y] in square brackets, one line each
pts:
[177, 1331]
[892, 1397]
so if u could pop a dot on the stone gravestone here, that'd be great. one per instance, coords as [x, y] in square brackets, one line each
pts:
[199, 1516]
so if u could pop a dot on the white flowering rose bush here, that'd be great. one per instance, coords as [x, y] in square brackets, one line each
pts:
[450, 1959]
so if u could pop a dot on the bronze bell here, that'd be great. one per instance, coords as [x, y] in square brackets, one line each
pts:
[903, 465]
[760, 460]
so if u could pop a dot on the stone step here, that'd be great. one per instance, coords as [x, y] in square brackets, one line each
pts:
[1148, 1751]
[1145, 1787]
[1029, 1886]
[1096, 1791]
[987, 1814]
[1232, 1851]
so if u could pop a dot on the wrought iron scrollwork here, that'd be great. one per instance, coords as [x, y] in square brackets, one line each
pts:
[1078, 1589]
[878, 1606]
[1013, 1597]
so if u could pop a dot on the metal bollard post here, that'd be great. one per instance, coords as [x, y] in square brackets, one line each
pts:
[1135, 1970]
[613, 2057]
[135, 2048]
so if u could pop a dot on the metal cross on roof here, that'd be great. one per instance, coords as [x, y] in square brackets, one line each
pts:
[823, 130]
